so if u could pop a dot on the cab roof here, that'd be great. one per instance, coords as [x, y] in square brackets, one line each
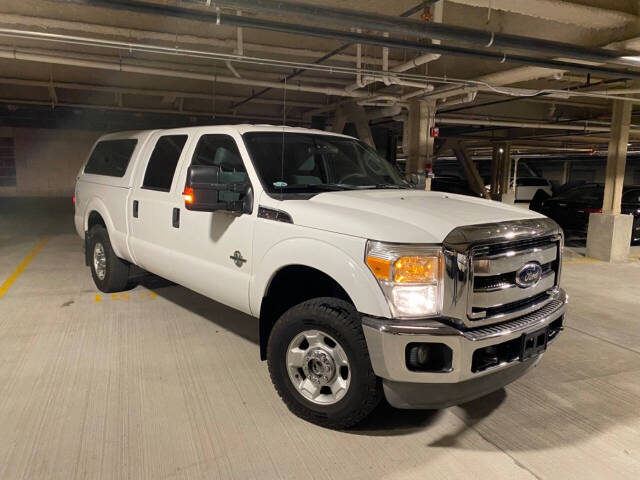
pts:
[240, 128]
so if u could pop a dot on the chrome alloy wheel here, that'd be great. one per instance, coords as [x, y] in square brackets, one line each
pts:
[318, 367]
[99, 261]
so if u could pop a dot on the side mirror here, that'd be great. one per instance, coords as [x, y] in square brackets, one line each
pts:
[204, 191]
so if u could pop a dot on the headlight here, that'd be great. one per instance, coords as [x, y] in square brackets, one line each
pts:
[409, 275]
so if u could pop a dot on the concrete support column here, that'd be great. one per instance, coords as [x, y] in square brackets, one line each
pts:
[419, 142]
[501, 172]
[508, 196]
[339, 120]
[609, 232]
[355, 114]
[565, 172]
[470, 170]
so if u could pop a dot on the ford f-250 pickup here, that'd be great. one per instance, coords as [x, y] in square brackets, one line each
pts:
[363, 287]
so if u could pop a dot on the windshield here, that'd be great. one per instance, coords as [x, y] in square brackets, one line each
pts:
[314, 163]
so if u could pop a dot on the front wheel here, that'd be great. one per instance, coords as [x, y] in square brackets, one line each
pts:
[319, 363]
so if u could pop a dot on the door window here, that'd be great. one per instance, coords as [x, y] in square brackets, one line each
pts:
[163, 161]
[222, 151]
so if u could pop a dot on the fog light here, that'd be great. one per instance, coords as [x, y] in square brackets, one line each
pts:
[428, 357]
[419, 355]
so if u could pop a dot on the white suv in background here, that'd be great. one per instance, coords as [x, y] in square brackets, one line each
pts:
[527, 187]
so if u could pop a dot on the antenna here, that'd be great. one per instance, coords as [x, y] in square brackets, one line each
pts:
[284, 124]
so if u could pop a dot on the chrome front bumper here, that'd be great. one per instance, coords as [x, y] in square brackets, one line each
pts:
[387, 342]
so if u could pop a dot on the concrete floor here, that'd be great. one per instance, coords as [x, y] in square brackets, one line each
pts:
[161, 382]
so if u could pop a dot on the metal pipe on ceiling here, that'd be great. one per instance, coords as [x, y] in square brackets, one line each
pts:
[202, 113]
[146, 91]
[443, 120]
[354, 37]
[405, 26]
[17, 54]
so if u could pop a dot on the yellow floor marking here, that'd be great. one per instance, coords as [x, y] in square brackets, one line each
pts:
[20, 268]
[574, 262]
[97, 299]
[153, 294]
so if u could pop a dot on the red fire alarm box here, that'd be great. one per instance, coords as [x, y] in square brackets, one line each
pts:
[434, 132]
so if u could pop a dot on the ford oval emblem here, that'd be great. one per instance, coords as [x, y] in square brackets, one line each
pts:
[529, 275]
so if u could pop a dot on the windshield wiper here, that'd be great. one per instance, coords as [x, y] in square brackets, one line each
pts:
[391, 185]
[379, 186]
[330, 187]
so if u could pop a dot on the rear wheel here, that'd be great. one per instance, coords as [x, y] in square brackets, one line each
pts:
[319, 363]
[110, 273]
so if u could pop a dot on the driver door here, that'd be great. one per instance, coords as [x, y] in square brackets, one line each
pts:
[216, 246]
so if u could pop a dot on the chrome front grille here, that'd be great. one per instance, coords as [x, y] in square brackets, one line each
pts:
[496, 293]
[486, 282]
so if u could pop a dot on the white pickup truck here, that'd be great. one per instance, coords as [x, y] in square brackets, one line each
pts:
[363, 287]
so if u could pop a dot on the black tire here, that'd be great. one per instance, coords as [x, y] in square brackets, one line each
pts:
[340, 320]
[116, 278]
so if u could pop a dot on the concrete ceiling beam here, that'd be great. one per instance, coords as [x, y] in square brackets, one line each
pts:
[559, 11]
[50, 24]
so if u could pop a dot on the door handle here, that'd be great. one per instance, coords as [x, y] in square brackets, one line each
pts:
[175, 220]
[135, 208]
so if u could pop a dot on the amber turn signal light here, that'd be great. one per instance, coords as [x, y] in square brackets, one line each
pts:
[407, 269]
[380, 267]
[416, 269]
[188, 195]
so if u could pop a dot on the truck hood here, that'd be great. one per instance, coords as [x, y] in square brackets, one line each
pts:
[403, 216]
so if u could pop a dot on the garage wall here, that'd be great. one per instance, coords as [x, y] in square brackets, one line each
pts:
[47, 160]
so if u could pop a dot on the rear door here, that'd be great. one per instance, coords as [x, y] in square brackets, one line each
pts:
[154, 204]
[215, 247]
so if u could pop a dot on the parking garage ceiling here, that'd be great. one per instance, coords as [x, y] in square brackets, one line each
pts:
[495, 73]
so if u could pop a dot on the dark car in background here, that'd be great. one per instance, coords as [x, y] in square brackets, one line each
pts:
[571, 208]
[451, 184]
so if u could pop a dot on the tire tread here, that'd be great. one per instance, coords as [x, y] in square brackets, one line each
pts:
[344, 315]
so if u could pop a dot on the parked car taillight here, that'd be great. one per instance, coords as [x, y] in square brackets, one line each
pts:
[589, 210]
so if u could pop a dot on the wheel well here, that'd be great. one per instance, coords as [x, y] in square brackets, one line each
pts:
[290, 286]
[95, 219]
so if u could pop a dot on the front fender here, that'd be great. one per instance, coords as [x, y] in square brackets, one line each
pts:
[345, 265]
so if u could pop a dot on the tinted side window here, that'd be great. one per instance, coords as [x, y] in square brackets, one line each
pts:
[583, 194]
[222, 151]
[632, 196]
[163, 162]
[532, 182]
[111, 157]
